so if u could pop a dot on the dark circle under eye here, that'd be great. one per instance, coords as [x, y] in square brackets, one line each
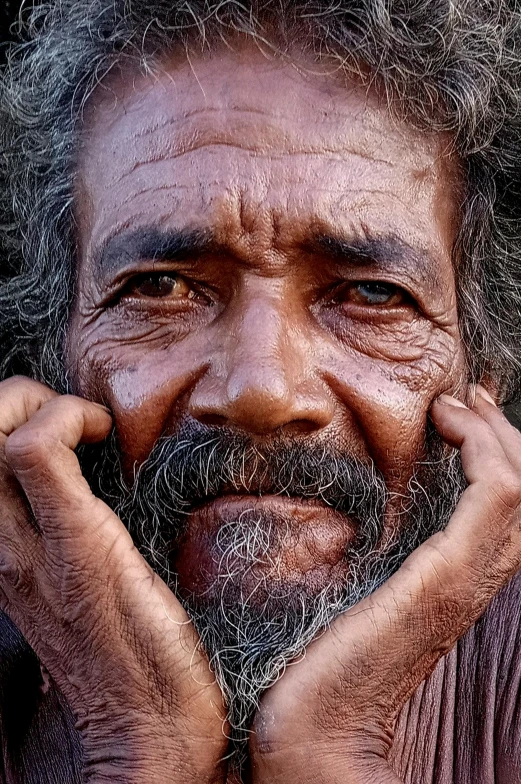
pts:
[369, 292]
[161, 286]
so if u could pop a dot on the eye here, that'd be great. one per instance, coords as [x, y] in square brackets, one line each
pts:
[160, 286]
[375, 293]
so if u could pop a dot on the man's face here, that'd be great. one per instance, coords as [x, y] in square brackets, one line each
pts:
[265, 252]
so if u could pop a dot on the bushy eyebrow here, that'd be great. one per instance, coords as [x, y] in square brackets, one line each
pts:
[149, 244]
[387, 252]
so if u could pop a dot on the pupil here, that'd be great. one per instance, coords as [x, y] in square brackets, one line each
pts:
[157, 287]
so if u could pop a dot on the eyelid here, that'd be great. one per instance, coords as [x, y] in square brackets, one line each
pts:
[140, 277]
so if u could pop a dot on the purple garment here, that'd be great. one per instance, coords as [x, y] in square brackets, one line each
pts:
[463, 724]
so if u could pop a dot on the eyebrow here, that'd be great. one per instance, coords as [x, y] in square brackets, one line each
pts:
[149, 244]
[387, 252]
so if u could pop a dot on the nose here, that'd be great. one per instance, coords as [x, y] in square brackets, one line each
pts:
[262, 379]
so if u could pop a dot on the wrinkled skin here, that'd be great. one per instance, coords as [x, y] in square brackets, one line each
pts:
[263, 326]
[274, 336]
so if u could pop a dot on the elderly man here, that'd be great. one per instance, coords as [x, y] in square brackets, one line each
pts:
[261, 299]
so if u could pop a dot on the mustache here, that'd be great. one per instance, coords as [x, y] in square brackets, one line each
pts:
[200, 463]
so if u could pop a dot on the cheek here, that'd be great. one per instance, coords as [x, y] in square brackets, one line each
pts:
[142, 384]
[391, 400]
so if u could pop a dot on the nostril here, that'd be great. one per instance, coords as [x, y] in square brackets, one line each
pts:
[301, 427]
[213, 420]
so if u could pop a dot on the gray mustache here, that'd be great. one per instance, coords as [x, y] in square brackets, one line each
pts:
[200, 463]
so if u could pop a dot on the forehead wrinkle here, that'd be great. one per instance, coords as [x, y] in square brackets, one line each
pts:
[155, 159]
[177, 84]
[268, 139]
[247, 227]
[194, 133]
[159, 117]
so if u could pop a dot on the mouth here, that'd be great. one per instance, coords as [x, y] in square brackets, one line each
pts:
[250, 538]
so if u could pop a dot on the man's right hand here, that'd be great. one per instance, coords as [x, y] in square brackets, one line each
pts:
[111, 634]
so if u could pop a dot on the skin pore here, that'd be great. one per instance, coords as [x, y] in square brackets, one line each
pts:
[265, 250]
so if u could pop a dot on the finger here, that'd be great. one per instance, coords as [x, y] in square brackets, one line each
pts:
[508, 436]
[83, 422]
[61, 424]
[80, 531]
[481, 449]
[20, 399]
[40, 452]
[87, 566]
[484, 529]
[404, 628]
[445, 585]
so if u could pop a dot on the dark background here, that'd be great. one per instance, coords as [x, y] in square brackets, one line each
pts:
[8, 11]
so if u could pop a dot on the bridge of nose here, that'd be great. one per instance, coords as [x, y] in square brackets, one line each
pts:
[263, 377]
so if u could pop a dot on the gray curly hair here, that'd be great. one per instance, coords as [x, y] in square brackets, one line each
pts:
[444, 65]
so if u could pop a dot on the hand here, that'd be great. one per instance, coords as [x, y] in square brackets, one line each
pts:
[109, 631]
[331, 717]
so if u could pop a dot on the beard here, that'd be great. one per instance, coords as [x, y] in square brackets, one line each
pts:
[252, 622]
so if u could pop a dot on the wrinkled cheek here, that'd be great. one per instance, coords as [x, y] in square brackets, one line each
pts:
[144, 388]
[391, 402]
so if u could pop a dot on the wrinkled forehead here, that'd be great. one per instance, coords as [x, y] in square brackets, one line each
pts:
[207, 142]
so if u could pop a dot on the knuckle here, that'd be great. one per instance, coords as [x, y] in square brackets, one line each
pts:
[26, 388]
[28, 447]
[15, 574]
[506, 489]
[481, 430]
[21, 382]
[65, 403]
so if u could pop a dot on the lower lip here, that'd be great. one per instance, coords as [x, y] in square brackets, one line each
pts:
[317, 539]
[276, 503]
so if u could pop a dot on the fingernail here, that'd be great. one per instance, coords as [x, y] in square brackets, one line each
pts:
[104, 408]
[482, 392]
[448, 400]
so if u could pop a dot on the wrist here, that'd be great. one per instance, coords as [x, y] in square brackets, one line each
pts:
[319, 762]
[304, 752]
[137, 749]
[314, 768]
